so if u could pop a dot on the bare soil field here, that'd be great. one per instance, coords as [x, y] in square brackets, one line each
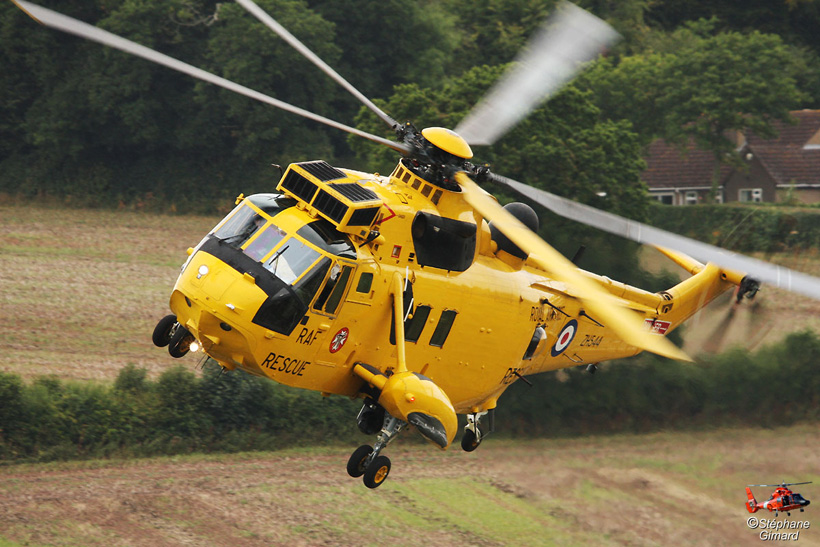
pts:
[657, 489]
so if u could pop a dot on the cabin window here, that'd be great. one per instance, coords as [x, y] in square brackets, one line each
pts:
[414, 326]
[443, 242]
[445, 323]
[365, 282]
[334, 289]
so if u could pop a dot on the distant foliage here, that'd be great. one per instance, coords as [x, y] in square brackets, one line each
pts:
[95, 126]
[743, 228]
[182, 412]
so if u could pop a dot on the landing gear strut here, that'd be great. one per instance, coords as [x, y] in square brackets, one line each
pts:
[366, 460]
[472, 433]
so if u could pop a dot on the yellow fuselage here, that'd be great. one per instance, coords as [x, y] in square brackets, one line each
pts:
[493, 302]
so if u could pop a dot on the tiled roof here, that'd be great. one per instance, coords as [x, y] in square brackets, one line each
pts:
[786, 157]
[670, 167]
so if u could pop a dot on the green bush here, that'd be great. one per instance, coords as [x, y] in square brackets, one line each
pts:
[182, 412]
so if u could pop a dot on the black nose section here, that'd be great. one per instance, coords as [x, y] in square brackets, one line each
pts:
[805, 503]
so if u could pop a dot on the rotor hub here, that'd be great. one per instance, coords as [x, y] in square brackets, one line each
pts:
[448, 140]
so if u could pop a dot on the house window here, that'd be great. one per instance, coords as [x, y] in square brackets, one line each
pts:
[666, 199]
[750, 195]
[691, 198]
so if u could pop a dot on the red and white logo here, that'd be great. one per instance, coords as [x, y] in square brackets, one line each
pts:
[339, 340]
[654, 326]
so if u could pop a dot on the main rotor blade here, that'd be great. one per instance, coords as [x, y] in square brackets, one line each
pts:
[781, 484]
[78, 28]
[555, 54]
[271, 23]
[625, 323]
[777, 276]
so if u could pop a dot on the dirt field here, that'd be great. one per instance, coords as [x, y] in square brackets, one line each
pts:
[659, 489]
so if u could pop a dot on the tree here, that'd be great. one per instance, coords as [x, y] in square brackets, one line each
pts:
[701, 86]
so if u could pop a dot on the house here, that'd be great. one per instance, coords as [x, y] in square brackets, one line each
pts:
[784, 168]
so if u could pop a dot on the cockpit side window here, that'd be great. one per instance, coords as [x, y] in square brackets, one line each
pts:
[325, 236]
[283, 310]
[240, 227]
[334, 289]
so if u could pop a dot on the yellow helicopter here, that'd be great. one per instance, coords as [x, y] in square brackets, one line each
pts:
[416, 291]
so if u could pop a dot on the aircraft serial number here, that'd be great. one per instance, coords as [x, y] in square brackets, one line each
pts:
[288, 365]
[591, 341]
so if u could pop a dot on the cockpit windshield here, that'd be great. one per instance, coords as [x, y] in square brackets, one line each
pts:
[289, 267]
[268, 238]
[291, 260]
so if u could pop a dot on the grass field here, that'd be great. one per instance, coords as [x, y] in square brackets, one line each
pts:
[80, 292]
[658, 489]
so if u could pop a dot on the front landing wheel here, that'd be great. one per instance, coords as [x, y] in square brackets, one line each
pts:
[180, 342]
[355, 465]
[376, 473]
[164, 331]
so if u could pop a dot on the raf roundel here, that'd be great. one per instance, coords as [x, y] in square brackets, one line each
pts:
[339, 340]
[565, 338]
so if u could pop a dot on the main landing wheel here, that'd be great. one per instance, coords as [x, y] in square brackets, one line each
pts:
[469, 441]
[355, 465]
[376, 473]
[164, 330]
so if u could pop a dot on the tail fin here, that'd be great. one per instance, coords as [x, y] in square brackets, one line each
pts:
[751, 505]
